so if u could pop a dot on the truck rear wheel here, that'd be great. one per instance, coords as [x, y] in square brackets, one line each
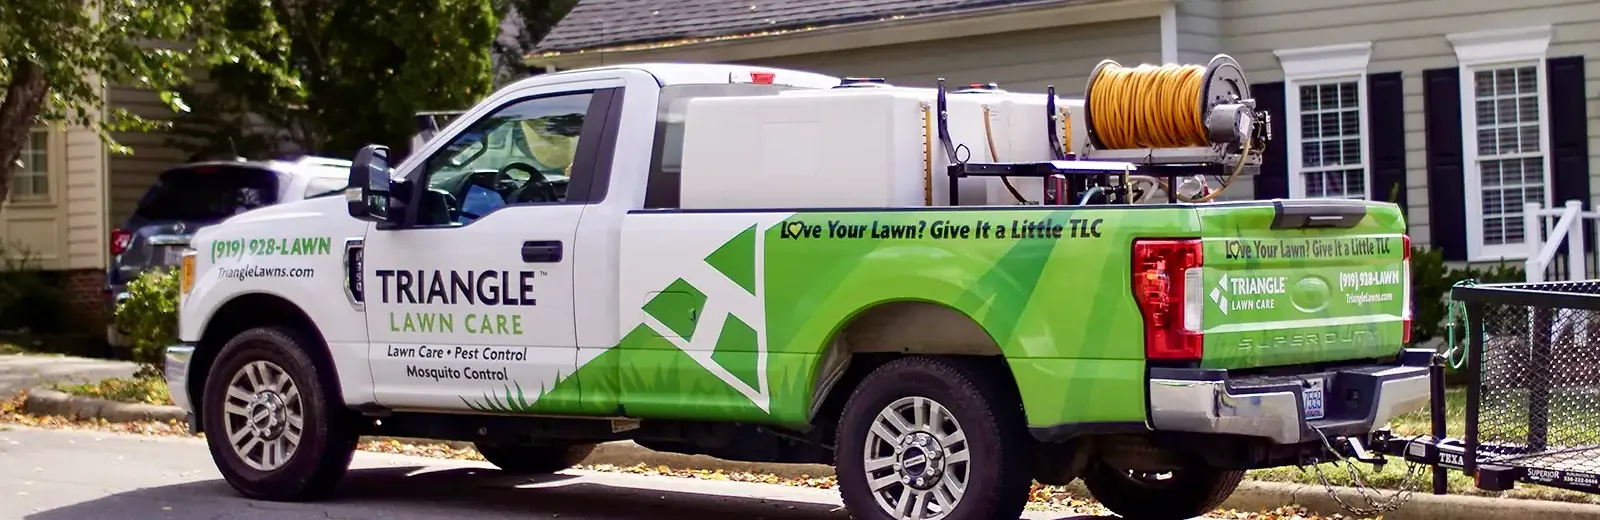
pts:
[273, 425]
[933, 438]
[1186, 493]
[534, 459]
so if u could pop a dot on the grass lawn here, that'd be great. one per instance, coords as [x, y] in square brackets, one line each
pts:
[1394, 473]
[142, 390]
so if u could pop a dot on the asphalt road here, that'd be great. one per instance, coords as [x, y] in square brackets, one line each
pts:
[73, 475]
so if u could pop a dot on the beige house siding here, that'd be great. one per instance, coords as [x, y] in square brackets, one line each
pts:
[1018, 61]
[84, 211]
[1407, 37]
[1199, 30]
[132, 174]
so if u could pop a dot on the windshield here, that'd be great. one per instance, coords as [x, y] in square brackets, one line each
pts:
[666, 161]
[208, 193]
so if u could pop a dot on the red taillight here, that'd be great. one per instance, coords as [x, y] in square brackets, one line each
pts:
[121, 240]
[1168, 287]
[762, 78]
[1405, 290]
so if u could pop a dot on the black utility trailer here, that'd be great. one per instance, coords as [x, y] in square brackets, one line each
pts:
[1532, 363]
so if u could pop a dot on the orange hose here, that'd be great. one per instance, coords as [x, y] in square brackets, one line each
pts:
[1148, 106]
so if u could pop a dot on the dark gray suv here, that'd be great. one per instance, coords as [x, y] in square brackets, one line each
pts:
[188, 197]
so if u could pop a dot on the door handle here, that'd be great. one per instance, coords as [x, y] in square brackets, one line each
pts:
[541, 251]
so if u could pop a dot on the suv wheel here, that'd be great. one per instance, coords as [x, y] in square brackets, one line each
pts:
[274, 424]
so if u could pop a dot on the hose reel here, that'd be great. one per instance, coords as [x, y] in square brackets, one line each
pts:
[1173, 106]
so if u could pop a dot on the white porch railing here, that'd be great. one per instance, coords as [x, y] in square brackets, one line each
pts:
[1568, 225]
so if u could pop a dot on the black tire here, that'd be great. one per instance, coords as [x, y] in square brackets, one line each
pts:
[1190, 492]
[522, 459]
[985, 404]
[327, 435]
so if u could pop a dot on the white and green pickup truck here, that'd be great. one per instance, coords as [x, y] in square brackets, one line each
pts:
[637, 252]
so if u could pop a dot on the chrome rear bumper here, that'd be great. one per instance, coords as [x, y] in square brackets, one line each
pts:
[1359, 400]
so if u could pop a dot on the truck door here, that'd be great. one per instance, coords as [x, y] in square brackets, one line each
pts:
[470, 288]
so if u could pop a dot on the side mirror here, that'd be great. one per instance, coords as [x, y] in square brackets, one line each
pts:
[368, 194]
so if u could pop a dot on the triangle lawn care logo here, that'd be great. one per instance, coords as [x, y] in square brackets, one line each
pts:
[1219, 294]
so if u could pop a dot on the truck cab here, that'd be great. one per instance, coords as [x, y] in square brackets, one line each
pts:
[529, 280]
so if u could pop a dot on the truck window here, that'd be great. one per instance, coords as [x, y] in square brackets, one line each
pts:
[521, 153]
[666, 160]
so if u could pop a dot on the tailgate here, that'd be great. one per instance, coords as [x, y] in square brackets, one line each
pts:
[1303, 281]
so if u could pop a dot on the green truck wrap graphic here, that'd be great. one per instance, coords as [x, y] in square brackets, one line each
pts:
[1051, 288]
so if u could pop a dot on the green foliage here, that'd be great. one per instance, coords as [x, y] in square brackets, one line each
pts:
[57, 57]
[1431, 280]
[150, 315]
[345, 73]
[30, 301]
[533, 19]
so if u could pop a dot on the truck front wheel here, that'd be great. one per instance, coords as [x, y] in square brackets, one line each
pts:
[273, 425]
[534, 459]
[933, 438]
[1186, 493]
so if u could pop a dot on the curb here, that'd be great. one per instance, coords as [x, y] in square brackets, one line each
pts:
[1251, 495]
[44, 401]
[1256, 496]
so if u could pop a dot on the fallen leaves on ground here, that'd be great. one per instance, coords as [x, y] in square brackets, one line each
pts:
[1041, 497]
[141, 390]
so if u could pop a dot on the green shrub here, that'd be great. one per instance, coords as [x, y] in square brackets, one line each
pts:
[150, 316]
[30, 299]
[1431, 280]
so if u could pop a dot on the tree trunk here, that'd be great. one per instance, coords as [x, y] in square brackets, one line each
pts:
[24, 97]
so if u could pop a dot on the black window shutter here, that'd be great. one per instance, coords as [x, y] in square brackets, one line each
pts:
[1569, 139]
[1447, 213]
[1386, 144]
[1569, 134]
[1272, 182]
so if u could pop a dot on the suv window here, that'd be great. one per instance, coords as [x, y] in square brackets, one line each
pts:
[519, 154]
[324, 186]
[205, 193]
[666, 161]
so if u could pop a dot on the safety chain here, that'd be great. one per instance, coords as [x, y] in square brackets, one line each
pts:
[1375, 505]
[1455, 355]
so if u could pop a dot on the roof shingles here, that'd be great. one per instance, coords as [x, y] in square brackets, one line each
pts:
[596, 24]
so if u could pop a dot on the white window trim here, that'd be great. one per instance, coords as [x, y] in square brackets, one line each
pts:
[55, 161]
[1314, 66]
[1487, 50]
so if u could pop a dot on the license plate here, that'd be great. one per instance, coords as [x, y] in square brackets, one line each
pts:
[1312, 395]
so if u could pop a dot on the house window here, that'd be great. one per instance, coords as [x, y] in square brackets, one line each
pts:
[1504, 136]
[1331, 140]
[1510, 159]
[1326, 104]
[32, 180]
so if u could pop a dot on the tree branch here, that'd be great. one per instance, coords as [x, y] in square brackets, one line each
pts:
[24, 97]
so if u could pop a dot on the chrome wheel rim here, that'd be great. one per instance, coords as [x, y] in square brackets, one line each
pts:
[917, 459]
[263, 415]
